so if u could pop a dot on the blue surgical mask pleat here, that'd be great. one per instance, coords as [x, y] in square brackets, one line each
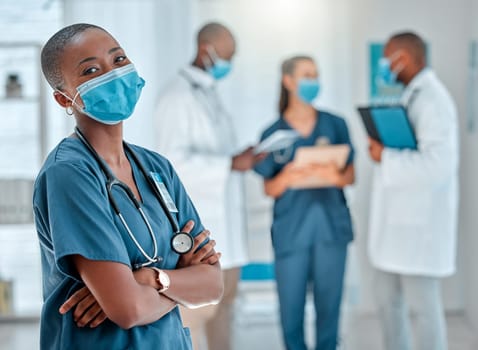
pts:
[105, 78]
[385, 72]
[121, 85]
[308, 89]
[220, 67]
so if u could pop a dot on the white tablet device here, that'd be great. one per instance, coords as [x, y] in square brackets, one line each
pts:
[277, 141]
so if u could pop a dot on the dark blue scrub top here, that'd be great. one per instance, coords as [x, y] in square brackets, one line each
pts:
[303, 217]
[73, 216]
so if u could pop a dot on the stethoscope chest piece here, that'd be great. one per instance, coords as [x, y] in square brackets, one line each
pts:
[182, 243]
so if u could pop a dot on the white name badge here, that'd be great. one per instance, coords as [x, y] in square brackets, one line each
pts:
[164, 192]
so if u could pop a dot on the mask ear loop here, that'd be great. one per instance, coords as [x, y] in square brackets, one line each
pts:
[212, 52]
[213, 56]
[69, 109]
[400, 67]
[208, 61]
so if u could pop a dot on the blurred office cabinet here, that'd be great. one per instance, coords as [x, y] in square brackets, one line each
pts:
[6, 298]
[23, 135]
[23, 126]
[16, 201]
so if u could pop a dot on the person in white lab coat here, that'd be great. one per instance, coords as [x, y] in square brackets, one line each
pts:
[413, 217]
[196, 133]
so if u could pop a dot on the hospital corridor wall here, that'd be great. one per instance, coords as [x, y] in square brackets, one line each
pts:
[337, 34]
[469, 193]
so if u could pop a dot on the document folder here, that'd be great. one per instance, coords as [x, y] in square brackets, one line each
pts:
[304, 156]
[389, 125]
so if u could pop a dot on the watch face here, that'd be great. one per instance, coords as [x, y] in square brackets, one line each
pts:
[164, 279]
[182, 243]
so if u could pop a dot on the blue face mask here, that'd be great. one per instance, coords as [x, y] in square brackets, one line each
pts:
[111, 98]
[308, 90]
[220, 68]
[385, 72]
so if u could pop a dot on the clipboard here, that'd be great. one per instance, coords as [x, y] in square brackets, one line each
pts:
[389, 125]
[319, 155]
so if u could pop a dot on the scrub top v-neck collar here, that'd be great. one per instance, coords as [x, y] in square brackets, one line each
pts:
[135, 172]
[315, 130]
[138, 178]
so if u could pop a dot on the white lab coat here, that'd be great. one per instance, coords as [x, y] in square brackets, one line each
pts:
[196, 134]
[413, 218]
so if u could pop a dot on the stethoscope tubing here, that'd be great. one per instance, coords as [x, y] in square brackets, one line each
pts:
[112, 181]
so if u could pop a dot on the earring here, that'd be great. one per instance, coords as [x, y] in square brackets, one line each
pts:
[69, 110]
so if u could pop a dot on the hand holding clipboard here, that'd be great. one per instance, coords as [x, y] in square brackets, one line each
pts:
[319, 161]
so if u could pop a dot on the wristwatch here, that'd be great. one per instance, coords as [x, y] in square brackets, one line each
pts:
[163, 279]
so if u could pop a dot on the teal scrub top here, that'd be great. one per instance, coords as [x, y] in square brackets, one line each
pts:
[303, 217]
[73, 216]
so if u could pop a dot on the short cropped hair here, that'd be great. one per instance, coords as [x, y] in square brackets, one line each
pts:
[53, 50]
[413, 44]
[210, 31]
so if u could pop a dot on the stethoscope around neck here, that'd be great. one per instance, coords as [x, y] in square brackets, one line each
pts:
[181, 242]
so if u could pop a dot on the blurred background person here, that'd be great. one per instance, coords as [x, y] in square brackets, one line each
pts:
[311, 227]
[413, 218]
[195, 131]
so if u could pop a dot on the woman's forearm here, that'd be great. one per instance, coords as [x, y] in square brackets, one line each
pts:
[124, 300]
[347, 177]
[152, 307]
[276, 186]
[139, 302]
[196, 285]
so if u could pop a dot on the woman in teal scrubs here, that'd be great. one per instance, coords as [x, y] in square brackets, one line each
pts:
[311, 227]
[110, 281]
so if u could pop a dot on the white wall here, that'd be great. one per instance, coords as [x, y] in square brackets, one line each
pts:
[469, 203]
[337, 34]
[269, 31]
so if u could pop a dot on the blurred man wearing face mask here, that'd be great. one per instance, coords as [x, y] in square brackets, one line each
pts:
[413, 217]
[195, 131]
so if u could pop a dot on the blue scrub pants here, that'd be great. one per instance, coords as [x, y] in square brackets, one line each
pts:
[323, 265]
